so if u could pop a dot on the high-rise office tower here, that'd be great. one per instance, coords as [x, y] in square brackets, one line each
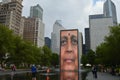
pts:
[34, 31]
[7, 1]
[99, 28]
[55, 36]
[36, 12]
[110, 10]
[34, 27]
[10, 14]
[100, 23]
[87, 40]
[48, 42]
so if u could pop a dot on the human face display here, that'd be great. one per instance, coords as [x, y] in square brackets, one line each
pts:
[69, 50]
[69, 75]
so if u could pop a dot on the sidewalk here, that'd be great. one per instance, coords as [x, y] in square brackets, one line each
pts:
[102, 76]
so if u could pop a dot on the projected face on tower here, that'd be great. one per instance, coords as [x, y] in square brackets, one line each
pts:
[69, 50]
[66, 75]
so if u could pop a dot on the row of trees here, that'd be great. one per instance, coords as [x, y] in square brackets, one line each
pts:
[14, 50]
[108, 52]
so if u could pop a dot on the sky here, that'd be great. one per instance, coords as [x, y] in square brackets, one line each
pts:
[74, 14]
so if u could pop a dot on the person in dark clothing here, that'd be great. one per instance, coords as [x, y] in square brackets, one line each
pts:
[34, 71]
[94, 71]
[13, 67]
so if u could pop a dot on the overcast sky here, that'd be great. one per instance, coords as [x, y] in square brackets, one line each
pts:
[73, 13]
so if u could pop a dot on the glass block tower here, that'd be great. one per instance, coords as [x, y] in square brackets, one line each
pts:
[109, 10]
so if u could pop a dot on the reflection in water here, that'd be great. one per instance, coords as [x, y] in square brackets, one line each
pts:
[47, 78]
[69, 75]
[12, 75]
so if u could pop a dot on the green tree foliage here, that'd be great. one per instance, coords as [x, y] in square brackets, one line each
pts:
[46, 56]
[113, 44]
[6, 41]
[91, 57]
[21, 51]
[108, 52]
[25, 52]
[84, 59]
[101, 54]
[54, 59]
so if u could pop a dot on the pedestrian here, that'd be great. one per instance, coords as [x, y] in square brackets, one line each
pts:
[13, 67]
[0, 67]
[34, 71]
[94, 71]
[48, 70]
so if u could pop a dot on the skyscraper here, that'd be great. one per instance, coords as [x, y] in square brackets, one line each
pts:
[36, 12]
[7, 1]
[48, 42]
[10, 14]
[110, 10]
[100, 23]
[34, 26]
[87, 40]
[34, 31]
[55, 36]
[99, 28]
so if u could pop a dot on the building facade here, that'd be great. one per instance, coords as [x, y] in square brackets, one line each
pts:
[36, 12]
[34, 27]
[55, 36]
[10, 14]
[109, 10]
[100, 23]
[34, 31]
[80, 45]
[87, 40]
[48, 42]
[99, 28]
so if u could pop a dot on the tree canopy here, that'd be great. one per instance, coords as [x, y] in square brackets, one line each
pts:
[20, 51]
[108, 51]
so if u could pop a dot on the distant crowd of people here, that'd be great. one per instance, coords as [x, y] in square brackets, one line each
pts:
[113, 70]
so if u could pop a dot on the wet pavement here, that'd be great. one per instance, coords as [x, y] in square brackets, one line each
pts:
[102, 76]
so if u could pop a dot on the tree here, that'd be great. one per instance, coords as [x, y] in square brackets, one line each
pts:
[6, 42]
[102, 56]
[54, 59]
[46, 57]
[25, 52]
[91, 57]
[113, 44]
[84, 59]
[108, 52]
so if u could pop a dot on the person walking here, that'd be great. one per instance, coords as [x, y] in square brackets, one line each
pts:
[94, 71]
[34, 71]
[13, 67]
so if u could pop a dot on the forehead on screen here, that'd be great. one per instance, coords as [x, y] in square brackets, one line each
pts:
[68, 32]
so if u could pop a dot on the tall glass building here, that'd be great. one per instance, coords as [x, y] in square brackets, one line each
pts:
[110, 10]
[36, 12]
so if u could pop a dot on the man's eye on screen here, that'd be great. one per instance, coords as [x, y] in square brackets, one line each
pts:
[63, 42]
[74, 42]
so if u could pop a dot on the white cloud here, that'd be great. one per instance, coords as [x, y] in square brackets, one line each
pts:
[73, 13]
[97, 8]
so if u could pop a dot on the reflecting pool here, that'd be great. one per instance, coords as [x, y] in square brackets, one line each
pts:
[46, 76]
